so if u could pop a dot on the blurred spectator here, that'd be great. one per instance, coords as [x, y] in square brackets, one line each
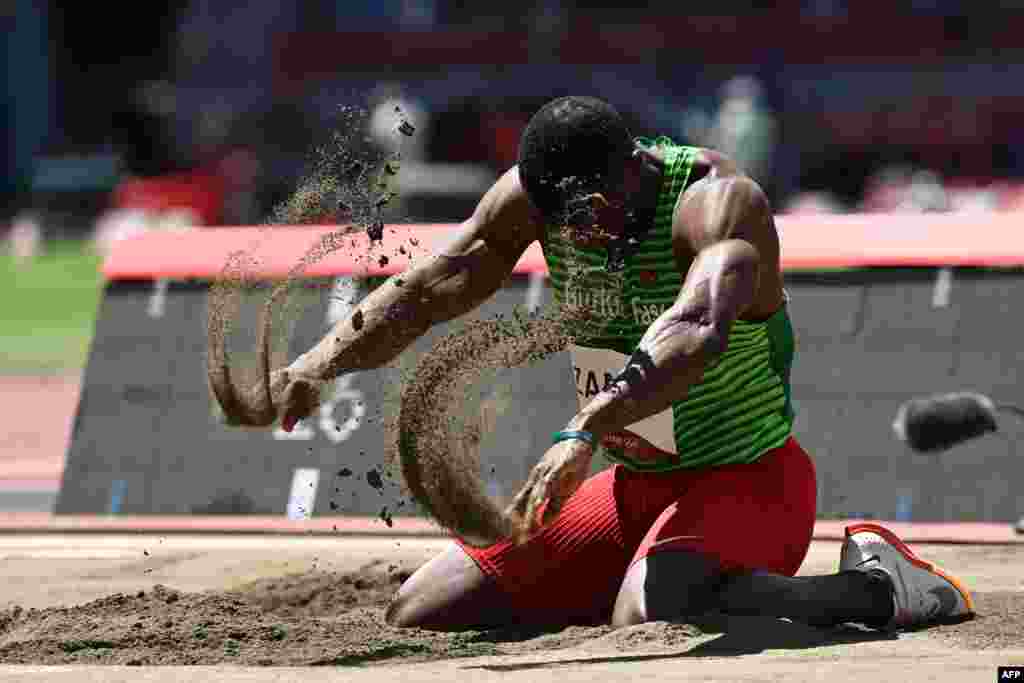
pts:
[696, 127]
[400, 128]
[902, 188]
[832, 9]
[165, 175]
[812, 203]
[168, 182]
[744, 128]
[198, 115]
[548, 22]
[146, 136]
[503, 129]
[456, 132]
[240, 172]
[229, 45]
[418, 14]
[925, 194]
[389, 108]
[977, 197]
[24, 237]
[1012, 198]
[886, 189]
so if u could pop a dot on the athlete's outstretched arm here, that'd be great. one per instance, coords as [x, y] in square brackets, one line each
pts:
[727, 217]
[437, 290]
[399, 311]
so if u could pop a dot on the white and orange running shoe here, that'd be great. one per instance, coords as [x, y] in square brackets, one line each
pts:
[923, 594]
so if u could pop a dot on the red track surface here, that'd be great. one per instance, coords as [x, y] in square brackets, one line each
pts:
[36, 414]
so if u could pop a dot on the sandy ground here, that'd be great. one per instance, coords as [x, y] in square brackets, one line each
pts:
[254, 607]
[136, 607]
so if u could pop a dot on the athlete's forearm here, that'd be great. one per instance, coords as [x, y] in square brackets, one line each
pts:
[680, 344]
[660, 371]
[383, 325]
[401, 310]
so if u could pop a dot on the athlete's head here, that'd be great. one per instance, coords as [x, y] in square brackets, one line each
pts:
[573, 156]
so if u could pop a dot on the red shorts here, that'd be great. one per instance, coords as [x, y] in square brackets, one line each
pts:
[745, 517]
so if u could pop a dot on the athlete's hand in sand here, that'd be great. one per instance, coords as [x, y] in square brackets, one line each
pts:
[551, 483]
[295, 397]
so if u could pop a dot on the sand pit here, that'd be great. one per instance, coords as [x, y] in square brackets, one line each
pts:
[307, 602]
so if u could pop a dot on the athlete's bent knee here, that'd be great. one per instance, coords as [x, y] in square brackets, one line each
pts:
[628, 612]
[399, 614]
[666, 585]
[449, 593]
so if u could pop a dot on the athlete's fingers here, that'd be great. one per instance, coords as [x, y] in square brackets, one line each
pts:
[552, 509]
[520, 503]
[522, 499]
[559, 492]
[522, 513]
[298, 400]
[538, 496]
[516, 512]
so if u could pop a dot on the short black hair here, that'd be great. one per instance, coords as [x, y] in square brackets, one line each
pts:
[571, 146]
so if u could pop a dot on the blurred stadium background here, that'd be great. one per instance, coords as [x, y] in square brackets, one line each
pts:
[205, 113]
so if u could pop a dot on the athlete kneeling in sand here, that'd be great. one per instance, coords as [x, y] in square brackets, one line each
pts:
[685, 384]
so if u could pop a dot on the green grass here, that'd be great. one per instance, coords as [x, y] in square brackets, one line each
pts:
[48, 309]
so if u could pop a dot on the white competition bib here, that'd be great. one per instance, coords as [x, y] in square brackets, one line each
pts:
[595, 369]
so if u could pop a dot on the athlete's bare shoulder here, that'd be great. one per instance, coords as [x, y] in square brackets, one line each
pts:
[722, 203]
[506, 210]
[504, 219]
[711, 162]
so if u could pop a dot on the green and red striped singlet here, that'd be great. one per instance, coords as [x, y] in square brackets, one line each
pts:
[740, 410]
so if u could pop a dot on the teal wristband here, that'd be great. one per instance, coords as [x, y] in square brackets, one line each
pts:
[567, 434]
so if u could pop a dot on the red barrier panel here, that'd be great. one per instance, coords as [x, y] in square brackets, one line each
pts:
[808, 243]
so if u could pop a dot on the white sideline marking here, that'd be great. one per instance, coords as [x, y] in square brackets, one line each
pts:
[176, 221]
[943, 287]
[71, 554]
[303, 495]
[158, 299]
[534, 292]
